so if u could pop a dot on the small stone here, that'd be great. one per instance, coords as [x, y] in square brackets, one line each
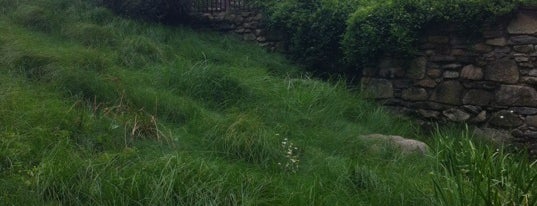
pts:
[451, 74]
[448, 92]
[481, 85]
[524, 110]
[523, 48]
[261, 39]
[429, 105]
[482, 48]
[506, 119]
[259, 32]
[434, 73]
[471, 72]
[531, 121]
[529, 80]
[524, 23]
[458, 52]
[497, 42]
[504, 70]
[415, 94]
[522, 59]
[513, 95]
[521, 40]
[533, 72]
[479, 118]
[472, 109]
[477, 97]
[452, 66]
[526, 65]
[429, 114]
[427, 83]
[456, 115]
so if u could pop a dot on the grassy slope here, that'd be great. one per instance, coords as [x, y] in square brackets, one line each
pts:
[96, 109]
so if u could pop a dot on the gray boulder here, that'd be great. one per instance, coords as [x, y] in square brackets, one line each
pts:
[404, 145]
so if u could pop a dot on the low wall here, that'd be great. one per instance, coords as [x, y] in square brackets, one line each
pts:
[489, 81]
[248, 25]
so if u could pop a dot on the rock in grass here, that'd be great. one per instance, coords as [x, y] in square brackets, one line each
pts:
[404, 145]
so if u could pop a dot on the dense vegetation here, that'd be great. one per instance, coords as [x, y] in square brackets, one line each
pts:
[96, 109]
[344, 36]
[168, 11]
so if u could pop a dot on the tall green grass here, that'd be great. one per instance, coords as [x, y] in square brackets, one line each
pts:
[100, 110]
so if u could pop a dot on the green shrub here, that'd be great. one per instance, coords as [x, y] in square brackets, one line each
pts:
[338, 36]
[170, 11]
[313, 30]
[393, 29]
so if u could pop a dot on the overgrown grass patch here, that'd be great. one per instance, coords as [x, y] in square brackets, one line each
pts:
[171, 116]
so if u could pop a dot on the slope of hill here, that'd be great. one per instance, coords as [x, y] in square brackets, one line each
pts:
[101, 110]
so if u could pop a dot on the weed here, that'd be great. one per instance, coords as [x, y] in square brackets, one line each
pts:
[292, 158]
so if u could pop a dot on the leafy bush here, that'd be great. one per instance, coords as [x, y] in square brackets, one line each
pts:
[169, 11]
[336, 36]
[393, 29]
[313, 30]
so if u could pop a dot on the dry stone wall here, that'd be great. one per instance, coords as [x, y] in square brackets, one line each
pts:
[489, 81]
[249, 25]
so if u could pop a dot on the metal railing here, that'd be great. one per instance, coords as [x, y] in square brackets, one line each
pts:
[213, 6]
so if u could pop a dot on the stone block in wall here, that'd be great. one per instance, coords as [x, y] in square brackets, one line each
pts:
[524, 110]
[459, 42]
[482, 48]
[429, 114]
[506, 118]
[486, 85]
[533, 73]
[471, 72]
[522, 40]
[479, 118]
[417, 68]
[503, 70]
[472, 109]
[430, 105]
[377, 88]
[529, 80]
[531, 121]
[434, 73]
[528, 48]
[478, 97]
[497, 41]
[524, 23]
[448, 92]
[452, 66]
[451, 75]
[426, 83]
[415, 94]
[514, 95]
[521, 58]
[458, 52]
[456, 115]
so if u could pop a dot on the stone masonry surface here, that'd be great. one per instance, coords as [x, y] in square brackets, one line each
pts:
[489, 81]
